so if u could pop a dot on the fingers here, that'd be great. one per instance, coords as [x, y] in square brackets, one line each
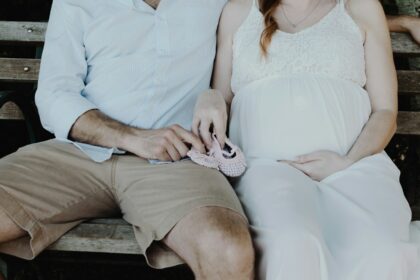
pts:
[220, 130]
[173, 153]
[195, 126]
[301, 166]
[308, 157]
[188, 137]
[181, 148]
[205, 134]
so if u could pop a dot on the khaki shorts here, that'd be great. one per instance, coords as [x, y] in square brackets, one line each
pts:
[50, 187]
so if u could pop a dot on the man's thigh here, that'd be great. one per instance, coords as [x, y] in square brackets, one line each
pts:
[48, 188]
[154, 198]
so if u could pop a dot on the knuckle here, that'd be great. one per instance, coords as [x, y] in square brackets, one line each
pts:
[169, 133]
[163, 142]
[159, 151]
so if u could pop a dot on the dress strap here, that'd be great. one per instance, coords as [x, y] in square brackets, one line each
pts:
[256, 4]
[342, 4]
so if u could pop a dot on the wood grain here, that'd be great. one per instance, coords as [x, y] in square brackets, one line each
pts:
[403, 44]
[19, 70]
[10, 111]
[34, 32]
[100, 238]
[408, 123]
[408, 82]
[22, 32]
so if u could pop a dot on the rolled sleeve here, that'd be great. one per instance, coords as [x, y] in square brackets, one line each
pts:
[59, 97]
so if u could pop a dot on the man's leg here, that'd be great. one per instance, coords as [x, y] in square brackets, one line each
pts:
[45, 190]
[8, 229]
[193, 210]
[215, 243]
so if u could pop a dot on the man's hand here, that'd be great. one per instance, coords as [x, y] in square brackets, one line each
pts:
[210, 112]
[410, 24]
[319, 165]
[168, 144]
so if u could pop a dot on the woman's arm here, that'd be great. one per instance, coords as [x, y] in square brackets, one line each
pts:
[382, 85]
[408, 24]
[212, 108]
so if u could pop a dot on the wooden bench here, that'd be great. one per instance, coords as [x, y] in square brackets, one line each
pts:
[115, 235]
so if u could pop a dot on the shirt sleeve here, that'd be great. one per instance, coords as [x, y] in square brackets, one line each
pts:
[62, 74]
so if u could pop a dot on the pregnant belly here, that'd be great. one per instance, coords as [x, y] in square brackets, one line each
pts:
[282, 118]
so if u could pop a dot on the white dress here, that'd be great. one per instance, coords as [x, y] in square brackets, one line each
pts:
[309, 95]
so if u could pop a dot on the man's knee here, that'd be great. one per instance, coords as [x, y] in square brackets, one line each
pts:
[225, 242]
[9, 230]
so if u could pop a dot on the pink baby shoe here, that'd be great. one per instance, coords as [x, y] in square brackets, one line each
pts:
[230, 160]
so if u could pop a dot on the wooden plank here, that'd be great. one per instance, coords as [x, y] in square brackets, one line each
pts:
[27, 70]
[111, 236]
[99, 238]
[22, 32]
[408, 82]
[403, 44]
[109, 221]
[408, 123]
[19, 69]
[34, 32]
[10, 111]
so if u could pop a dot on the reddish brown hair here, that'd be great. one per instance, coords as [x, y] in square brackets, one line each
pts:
[268, 8]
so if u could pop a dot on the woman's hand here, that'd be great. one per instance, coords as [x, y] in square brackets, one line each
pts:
[210, 113]
[319, 165]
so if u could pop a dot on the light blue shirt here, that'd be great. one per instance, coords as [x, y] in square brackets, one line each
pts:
[142, 67]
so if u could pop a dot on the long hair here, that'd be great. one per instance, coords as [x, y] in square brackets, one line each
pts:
[268, 8]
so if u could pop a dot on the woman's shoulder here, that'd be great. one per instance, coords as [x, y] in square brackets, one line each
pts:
[234, 14]
[368, 14]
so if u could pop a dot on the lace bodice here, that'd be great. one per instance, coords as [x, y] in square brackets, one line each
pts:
[332, 47]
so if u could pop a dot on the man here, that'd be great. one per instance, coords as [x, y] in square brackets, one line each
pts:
[122, 76]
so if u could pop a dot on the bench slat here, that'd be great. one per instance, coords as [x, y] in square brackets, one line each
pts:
[109, 221]
[19, 69]
[111, 236]
[403, 44]
[22, 32]
[10, 111]
[408, 82]
[27, 70]
[408, 123]
[99, 238]
[34, 32]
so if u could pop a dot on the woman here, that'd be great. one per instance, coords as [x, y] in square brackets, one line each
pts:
[313, 94]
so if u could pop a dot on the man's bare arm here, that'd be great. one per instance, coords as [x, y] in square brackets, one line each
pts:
[170, 143]
[408, 24]
[96, 128]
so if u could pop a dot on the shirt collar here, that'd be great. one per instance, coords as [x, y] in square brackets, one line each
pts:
[141, 5]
